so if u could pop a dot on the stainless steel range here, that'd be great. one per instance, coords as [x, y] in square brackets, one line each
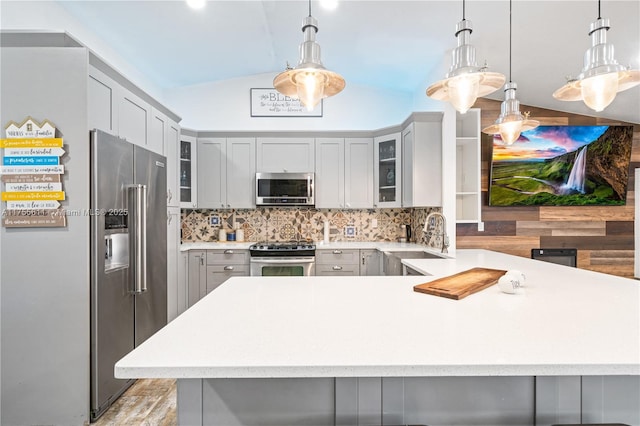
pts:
[282, 259]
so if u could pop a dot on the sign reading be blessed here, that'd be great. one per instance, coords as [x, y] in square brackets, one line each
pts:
[271, 103]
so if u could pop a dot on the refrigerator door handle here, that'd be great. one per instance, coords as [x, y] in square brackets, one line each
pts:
[138, 218]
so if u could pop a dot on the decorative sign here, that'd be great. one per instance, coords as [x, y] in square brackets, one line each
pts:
[31, 173]
[271, 103]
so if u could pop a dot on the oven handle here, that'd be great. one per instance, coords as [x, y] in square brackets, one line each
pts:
[283, 260]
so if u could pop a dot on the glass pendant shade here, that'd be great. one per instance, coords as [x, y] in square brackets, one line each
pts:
[511, 122]
[599, 91]
[309, 81]
[466, 81]
[601, 77]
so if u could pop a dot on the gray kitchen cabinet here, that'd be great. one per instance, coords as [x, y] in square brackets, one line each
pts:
[197, 284]
[224, 264]
[358, 174]
[226, 172]
[134, 115]
[188, 177]
[212, 169]
[422, 162]
[241, 173]
[101, 111]
[285, 154]
[173, 244]
[370, 262]
[387, 179]
[344, 173]
[337, 262]
[172, 152]
[329, 179]
[183, 281]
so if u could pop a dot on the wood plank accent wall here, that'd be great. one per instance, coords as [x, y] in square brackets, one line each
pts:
[604, 236]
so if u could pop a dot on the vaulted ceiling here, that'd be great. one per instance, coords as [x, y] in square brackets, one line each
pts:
[389, 44]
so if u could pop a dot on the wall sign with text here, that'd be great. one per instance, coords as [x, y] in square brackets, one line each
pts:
[32, 175]
[271, 103]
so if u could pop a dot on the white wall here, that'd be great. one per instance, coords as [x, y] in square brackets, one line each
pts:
[49, 16]
[224, 105]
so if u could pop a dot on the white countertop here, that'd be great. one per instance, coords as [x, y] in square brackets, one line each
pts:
[567, 322]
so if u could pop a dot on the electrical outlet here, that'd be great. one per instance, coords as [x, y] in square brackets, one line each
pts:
[374, 223]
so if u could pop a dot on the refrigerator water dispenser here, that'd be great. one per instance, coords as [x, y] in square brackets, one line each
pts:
[116, 251]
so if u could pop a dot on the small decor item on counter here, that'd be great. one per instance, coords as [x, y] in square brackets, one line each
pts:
[509, 284]
[517, 275]
[231, 235]
[239, 235]
[222, 235]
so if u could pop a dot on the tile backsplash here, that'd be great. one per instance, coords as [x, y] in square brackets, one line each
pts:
[289, 224]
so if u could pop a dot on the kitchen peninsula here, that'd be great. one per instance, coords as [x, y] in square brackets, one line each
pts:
[370, 350]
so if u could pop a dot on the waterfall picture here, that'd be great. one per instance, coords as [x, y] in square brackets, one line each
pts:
[562, 166]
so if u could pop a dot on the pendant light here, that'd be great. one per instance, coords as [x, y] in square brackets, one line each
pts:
[511, 122]
[465, 81]
[602, 77]
[309, 81]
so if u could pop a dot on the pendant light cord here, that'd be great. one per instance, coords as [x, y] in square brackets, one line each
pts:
[463, 11]
[599, 16]
[510, 36]
[309, 7]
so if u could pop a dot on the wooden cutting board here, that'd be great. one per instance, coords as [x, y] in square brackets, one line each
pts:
[462, 284]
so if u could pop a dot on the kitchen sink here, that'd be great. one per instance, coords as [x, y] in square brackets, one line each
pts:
[393, 260]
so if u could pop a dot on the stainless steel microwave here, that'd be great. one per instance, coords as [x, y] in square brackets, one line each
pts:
[284, 189]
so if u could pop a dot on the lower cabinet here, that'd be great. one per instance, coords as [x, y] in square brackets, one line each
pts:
[338, 262]
[207, 269]
[224, 264]
[370, 262]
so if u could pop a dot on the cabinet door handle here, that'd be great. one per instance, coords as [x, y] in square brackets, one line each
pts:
[337, 268]
[201, 260]
[168, 219]
[169, 195]
[228, 268]
[348, 205]
[228, 252]
[337, 252]
[222, 205]
[363, 259]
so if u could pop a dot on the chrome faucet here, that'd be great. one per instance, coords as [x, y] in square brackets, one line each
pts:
[445, 238]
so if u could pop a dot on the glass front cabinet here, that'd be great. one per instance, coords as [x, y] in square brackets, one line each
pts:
[188, 172]
[387, 172]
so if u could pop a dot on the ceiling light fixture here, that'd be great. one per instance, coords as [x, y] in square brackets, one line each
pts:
[309, 81]
[466, 81]
[511, 122]
[196, 4]
[602, 77]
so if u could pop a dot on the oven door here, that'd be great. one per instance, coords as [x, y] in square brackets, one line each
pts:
[283, 266]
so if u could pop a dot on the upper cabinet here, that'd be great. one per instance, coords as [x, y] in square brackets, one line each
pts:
[286, 154]
[344, 173]
[226, 173]
[468, 182]
[422, 162]
[387, 154]
[358, 173]
[188, 172]
[172, 152]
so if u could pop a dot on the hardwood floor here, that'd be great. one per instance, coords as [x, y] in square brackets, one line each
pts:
[149, 402]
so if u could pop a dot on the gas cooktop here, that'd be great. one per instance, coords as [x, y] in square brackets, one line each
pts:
[282, 249]
[284, 246]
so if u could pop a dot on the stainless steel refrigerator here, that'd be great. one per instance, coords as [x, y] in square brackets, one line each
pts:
[128, 257]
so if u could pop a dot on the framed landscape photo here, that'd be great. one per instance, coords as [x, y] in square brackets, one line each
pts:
[562, 166]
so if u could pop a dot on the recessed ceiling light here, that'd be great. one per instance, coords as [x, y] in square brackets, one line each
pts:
[329, 4]
[196, 4]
